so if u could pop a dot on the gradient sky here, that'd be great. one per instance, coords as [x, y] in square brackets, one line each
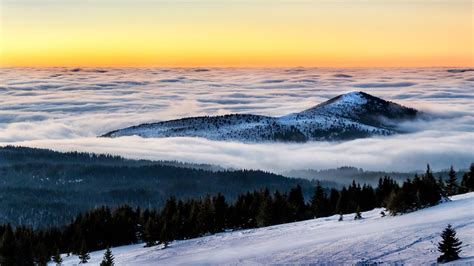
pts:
[236, 33]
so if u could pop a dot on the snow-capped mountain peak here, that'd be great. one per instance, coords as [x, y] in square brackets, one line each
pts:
[348, 116]
[355, 98]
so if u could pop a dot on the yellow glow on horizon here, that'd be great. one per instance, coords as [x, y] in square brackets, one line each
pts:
[259, 33]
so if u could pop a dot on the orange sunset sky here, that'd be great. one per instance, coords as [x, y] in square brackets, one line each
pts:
[241, 33]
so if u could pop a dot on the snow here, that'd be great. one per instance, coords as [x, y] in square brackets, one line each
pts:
[352, 98]
[408, 239]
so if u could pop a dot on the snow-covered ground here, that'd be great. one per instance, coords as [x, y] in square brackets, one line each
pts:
[408, 239]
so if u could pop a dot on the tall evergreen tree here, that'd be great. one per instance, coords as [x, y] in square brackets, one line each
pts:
[450, 246]
[221, 212]
[451, 183]
[319, 202]
[296, 201]
[341, 206]
[165, 236]
[442, 186]
[84, 253]
[108, 259]
[57, 257]
[467, 183]
[358, 215]
[151, 232]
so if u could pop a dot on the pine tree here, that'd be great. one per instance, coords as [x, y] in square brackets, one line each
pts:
[467, 183]
[296, 201]
[450, 246]
[165, 236]
[451, 184]
[442, 187]
[57, 257]
[319, 202]
[358, 215]
[150, 232]
[84, 253]
[108, 259]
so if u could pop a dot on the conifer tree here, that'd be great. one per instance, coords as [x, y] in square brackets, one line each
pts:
[84, 253]
[165, 236]
[358, 215]
[150, 232]
[108, 259]
[296, 201]
[319, 202]
[57, 257]
[467, 182]
[451, 184]
[450, 246]
[442, 187]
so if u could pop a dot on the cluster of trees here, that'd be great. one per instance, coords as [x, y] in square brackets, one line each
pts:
[103, 227]
[426, 191]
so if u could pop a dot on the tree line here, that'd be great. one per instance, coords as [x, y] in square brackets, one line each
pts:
[104, 227]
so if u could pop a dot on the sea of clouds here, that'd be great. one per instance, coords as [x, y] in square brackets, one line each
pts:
[66, 109]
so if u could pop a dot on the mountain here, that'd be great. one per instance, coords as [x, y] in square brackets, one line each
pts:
[348, 116]
[409, 239]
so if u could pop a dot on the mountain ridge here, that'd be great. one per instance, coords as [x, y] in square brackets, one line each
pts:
[348, 116]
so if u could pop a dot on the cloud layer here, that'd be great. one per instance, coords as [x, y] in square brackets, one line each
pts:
[65, 109]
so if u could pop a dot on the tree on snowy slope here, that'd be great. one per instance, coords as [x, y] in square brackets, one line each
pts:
[151, 232]
[319, 202]
[108, 259]
[385, 187]
[57, 257]
[358, 215]
[84, 253]
[165, 236]
[450, 245]
[296, 200]
[451, 183]
[467, 182]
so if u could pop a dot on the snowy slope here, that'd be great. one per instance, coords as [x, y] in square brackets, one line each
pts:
[409, 239]
[349, 116]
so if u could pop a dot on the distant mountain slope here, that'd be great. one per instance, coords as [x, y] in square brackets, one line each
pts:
[409, 239]
[345, 175]
[42, 187]
[349, 116]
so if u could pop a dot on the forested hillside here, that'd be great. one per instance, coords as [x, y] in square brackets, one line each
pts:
[178, 220]
[41, 187]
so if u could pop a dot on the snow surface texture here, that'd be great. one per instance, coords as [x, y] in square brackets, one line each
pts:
[409, 239]
[65, 109]
[348, 116]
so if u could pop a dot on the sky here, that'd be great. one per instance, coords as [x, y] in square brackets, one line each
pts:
[239, 33]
